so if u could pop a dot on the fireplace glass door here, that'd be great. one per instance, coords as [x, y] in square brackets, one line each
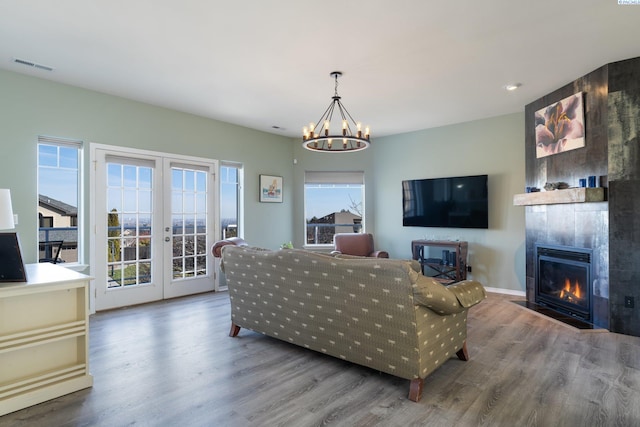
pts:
[563, 281]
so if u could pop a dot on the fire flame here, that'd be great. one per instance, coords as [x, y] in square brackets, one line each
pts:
[569, 294]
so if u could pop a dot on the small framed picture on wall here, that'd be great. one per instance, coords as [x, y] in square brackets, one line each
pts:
[270, 189]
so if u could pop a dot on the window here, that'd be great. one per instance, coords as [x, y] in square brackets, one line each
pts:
[58, 194]
[230, 216]
[333, 203]
[45, 221]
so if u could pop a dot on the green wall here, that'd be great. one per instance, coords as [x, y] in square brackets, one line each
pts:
[30, 107]
[493, 146]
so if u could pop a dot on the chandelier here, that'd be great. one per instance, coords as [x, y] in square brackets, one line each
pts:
[318, 137]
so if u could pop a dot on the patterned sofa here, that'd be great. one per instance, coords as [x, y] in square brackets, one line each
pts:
[380, 313]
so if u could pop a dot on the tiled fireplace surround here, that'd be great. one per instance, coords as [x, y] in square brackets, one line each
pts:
[611, 229]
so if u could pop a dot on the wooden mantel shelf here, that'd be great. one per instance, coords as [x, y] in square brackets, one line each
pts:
[569, 195]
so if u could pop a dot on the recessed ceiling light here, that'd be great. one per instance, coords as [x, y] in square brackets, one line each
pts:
[512, 86]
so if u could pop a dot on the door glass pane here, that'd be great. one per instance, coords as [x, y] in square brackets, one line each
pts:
[189, 213]
[129, 201]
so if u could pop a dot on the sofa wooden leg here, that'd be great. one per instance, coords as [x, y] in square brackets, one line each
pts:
[462, 353]
[235, 330]
[415, 389]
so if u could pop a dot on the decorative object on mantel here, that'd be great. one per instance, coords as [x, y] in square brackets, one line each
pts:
[317, 136]
[550, 186]
[560, 126]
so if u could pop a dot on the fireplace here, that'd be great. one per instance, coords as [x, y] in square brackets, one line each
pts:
[563, 280]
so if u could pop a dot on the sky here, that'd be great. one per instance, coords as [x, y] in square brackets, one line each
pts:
[323, 201]
[58, 173]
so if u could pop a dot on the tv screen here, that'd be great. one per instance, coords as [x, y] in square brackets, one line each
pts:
[458, 202]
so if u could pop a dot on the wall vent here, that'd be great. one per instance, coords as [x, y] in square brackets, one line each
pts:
[32, 64]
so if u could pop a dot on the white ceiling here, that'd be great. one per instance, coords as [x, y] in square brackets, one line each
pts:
[408, 64]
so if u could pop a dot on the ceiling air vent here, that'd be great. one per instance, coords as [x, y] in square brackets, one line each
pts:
[32, 64]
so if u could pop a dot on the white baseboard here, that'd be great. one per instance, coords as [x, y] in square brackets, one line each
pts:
[506, 291]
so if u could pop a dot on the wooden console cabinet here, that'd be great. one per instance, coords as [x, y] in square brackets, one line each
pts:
[444, 272]
[44, 336]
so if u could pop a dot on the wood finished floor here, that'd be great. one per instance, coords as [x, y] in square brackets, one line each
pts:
[172, 364]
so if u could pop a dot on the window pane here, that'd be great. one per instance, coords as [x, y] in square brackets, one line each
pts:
[145, 201]
[189, 203]
[114, 175]
[332, 208]
[114, 199]
[176, 179]
[189, 180]
[201, 182]
[47, 155]
[229, 201]
[69, 157]
[130, 201]
[144, 178]
[130, 175]
[58, 178]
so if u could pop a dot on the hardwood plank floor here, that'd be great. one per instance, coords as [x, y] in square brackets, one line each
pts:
[172, 363]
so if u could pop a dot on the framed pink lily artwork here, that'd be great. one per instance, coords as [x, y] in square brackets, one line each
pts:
[560, 126]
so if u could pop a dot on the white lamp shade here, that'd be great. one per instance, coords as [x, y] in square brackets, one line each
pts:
[6, 210]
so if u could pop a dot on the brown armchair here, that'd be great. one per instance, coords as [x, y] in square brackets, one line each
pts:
[358, 244]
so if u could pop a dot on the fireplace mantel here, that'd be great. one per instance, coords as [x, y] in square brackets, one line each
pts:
[569, 195]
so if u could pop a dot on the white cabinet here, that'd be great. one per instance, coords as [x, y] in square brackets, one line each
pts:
[44, 336]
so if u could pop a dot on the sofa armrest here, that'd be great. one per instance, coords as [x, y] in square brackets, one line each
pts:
[436, 297]
[216, 249]
[447, 299]
[468, 292]
[379, 254]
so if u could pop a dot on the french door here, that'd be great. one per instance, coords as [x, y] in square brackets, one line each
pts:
[154, 215]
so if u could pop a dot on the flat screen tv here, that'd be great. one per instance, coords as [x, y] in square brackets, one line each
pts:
[457, 202]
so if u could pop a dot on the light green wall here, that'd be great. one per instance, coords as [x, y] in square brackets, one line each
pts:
[492, 146]
[30, 107]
